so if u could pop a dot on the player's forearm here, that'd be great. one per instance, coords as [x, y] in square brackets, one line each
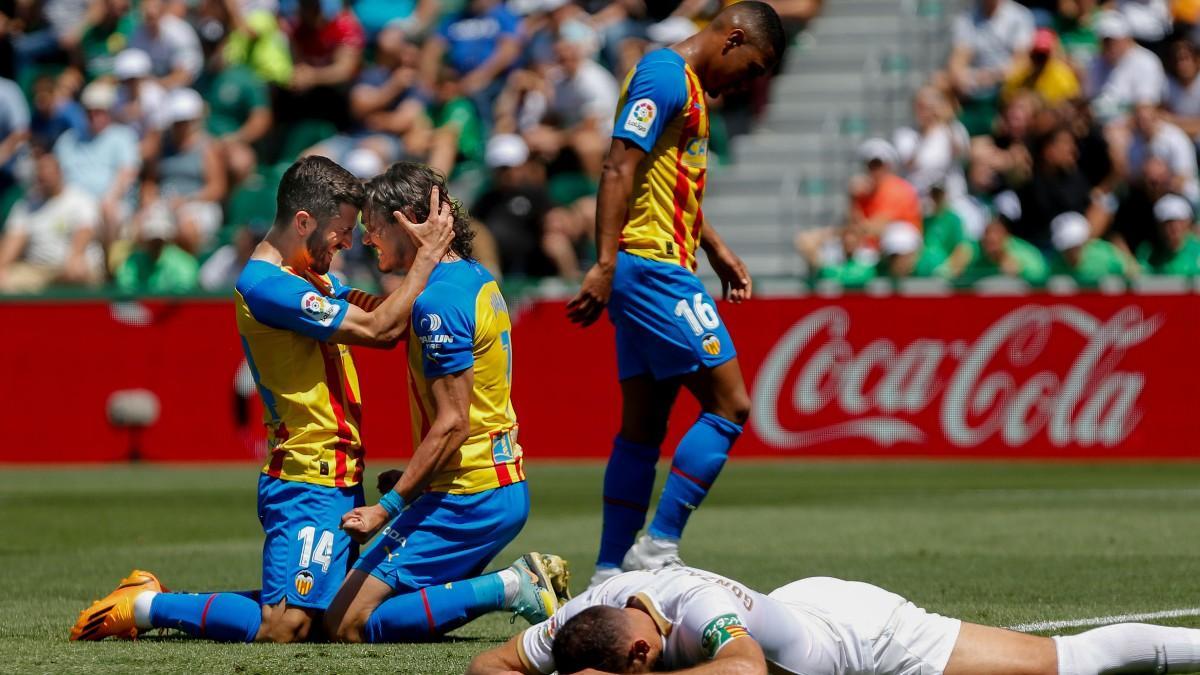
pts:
[710, 241]
[445, 436]
[390, 318]
[616, 184]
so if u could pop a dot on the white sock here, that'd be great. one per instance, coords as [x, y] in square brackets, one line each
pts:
[512, 585]
[1128, 648]
[141, 610]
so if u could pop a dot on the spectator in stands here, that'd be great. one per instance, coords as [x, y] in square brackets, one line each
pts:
[103, 161]
[1178, 253]
[14, 129]
[54, 111]
[1044, 73]
[220, 271]
[1133, 222]
[141, 101]
[852, 263]
[1057, 186]
[188, 180]
[1005, 150]
[1155, 137]
[943, 231]
[255, 39]
[903, 252]
[157, 267]
[239, 115]
[50, 235]
[480, 43]
[514, 208]
[172, 44]
[460, 135]
[584, 98]
[388, 112]
[987, 38]
[59, 34]
[1183, 87]
[1082, 257]
[998, 253]
[411, 17]
[1149, 20]
[567, 236]
[109, 26]
[879, 196]
[1125, 73]
[934, 152]
[327, 54]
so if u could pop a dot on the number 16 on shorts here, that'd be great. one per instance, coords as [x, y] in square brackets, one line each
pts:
[701, 317]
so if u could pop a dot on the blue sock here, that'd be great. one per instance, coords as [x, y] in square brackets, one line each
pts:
[434, 611]
[698, 460]
[224, 617]
[628, 482]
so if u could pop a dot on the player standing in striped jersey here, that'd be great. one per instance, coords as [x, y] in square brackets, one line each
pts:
[648, 226]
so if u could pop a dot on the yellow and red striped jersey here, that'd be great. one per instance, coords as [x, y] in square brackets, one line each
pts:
[662, 111]
[309, 387]
[461, 321]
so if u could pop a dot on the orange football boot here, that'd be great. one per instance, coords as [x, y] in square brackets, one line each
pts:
[112, 616]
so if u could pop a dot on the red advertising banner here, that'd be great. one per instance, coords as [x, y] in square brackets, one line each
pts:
[1041, 376]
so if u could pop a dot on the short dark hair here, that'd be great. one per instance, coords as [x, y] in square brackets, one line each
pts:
[593, 638]
[762, 25]
[318, 185]
[406, 186]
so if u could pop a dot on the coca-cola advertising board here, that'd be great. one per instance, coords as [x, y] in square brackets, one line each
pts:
[1038, 376]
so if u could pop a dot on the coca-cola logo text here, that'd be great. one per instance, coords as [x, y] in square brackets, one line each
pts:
[881, 387]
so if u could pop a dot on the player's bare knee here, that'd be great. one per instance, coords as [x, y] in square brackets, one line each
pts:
[286, 626]
[349, 628]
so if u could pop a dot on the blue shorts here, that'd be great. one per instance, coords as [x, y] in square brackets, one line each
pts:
[444, 537]
[306, 555]
[667, 324]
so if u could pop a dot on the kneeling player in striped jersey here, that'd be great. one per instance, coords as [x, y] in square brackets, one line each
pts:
[463, 496]
[680, 618]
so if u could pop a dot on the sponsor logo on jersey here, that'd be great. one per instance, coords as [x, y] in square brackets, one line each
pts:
[319, 308]
[695, 153]
[431, 323]
[304, 582]
[436, 339]
[720, 630]
[641, 116]
[711, 344]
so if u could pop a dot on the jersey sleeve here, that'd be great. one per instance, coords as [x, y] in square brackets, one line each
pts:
[443, 320]
[713, 617]
[289, 303]
[537, 642]
[656, 93]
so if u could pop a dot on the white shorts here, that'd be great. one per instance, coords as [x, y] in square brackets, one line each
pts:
[877, 631]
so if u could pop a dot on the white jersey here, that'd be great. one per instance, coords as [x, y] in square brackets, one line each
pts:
[818, 626]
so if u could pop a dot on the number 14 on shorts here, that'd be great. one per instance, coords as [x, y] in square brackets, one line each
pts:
[322, 554]
[700, 315]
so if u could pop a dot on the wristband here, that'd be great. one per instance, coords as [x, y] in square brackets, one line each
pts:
[392, 502]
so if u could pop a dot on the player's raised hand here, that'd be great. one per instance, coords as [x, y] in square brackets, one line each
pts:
[363, 522]
[736, 284]
[437, 232]
[587, 306]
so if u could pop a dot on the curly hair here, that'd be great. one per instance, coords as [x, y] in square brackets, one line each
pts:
[405, 187]
[317, 185]
[593, 638]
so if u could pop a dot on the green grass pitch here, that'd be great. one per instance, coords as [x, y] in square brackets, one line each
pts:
[994, 543]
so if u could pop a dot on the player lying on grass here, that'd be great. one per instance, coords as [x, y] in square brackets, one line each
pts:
[463, 496]
[687, 619]
[292, 317]
[668, 332]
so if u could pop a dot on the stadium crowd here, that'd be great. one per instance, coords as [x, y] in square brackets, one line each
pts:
[141, 141]
[1059, 139]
